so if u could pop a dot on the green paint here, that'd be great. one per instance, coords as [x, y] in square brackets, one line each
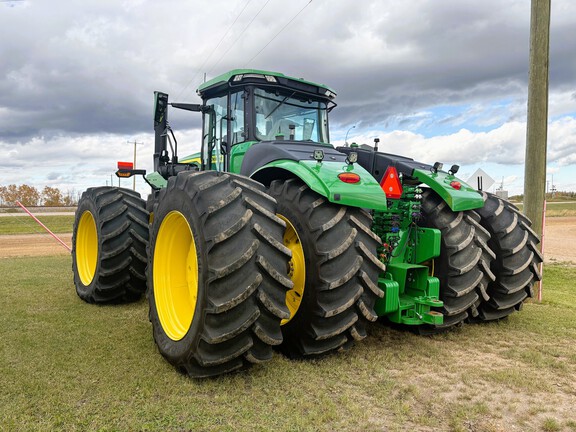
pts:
[391, 300]
[322, 177]
[416, 293]
[237, 155]
[428, 244]
[157, 180]
[467, 198]
[195, 158]
[410, 292]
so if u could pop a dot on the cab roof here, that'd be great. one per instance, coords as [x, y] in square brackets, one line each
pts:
[254, 76]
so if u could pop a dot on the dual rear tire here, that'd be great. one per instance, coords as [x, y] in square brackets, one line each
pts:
[214, 263]
[334, 268]
[234, 271]
[109, 241]
[489, 260]
[518, 257]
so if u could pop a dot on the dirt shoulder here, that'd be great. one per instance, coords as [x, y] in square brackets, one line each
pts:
[33, 245]
[560, 239]
[559, 242]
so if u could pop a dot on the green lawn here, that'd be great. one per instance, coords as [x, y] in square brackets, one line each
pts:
[557, 209]
[561, 209]
[26, 225]
[67, 365]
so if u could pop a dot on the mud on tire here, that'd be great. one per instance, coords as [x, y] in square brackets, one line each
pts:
[109, 241]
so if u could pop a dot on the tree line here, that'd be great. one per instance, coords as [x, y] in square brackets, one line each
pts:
[30, 196]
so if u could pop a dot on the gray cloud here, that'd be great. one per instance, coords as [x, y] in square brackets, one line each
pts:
[91, 67]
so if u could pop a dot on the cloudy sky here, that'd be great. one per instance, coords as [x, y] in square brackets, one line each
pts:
[435, 80]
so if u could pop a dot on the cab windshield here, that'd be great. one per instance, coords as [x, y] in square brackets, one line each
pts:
[291, 116]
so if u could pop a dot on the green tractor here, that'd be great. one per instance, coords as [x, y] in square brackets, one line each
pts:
[271, 239]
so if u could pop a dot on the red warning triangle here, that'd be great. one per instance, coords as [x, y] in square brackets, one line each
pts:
[391, 183]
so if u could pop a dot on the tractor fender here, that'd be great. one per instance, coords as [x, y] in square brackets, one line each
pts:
[322, 177]
[458, 194]
[261, 154]
[464, 198]
[274, 160]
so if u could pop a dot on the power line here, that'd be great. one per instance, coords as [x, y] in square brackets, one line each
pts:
[281, 30]
[244, 31]
[215, 49]
[238, 38]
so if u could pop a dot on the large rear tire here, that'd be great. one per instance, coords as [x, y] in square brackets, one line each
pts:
[463, 266]
[217, 273]
[334, 269]
[109, 241]
[516, 266]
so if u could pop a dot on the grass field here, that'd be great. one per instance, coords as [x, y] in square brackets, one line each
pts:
[67, 365]
[557, 209]
[26, 225]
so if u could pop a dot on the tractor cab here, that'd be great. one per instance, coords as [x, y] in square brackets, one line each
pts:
[244, 107]
[253, 106]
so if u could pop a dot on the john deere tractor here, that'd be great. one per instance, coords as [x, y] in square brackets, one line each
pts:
[270, 237]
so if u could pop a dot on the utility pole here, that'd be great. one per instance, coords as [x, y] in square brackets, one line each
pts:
[537, 123]
[134, 177]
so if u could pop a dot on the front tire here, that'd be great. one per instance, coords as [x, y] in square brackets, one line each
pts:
[334, 268]
[109, 241]
[216, 273]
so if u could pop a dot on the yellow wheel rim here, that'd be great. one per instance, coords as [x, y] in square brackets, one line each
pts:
[86, 248]
[296, 269]
[175, 271]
